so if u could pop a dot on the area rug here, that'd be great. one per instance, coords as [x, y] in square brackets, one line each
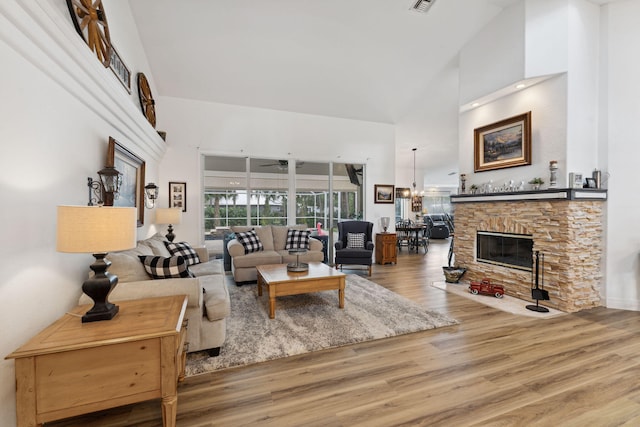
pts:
[506, 303]
[312, 322]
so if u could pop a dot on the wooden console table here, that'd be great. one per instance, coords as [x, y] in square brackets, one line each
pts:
[386, 250]
[73, 368]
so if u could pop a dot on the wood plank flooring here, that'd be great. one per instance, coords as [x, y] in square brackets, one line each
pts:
[494, 369]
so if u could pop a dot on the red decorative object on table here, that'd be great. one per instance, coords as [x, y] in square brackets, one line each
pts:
[487, 288]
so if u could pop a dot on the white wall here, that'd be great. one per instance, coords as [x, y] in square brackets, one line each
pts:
[495, 57]
[582, 90]
[547, 102]
[59, 107]
[546, 44]
[560, 36]
[431, 126]
[620, 136]
[196, 127]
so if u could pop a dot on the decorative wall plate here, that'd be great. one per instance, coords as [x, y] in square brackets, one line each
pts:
[90, 21]
[147, 103]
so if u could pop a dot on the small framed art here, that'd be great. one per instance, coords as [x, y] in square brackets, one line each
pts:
[120, 69]
[178, 195]
[383, 193]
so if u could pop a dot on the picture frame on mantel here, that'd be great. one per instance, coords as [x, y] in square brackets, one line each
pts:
[503, 144]
[178, 195]
[120, 70]
[132, 169]
[383, 193]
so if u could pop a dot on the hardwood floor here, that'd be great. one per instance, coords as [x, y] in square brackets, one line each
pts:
[494, 369]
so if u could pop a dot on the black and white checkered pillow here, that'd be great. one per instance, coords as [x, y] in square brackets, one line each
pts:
[297, 239]
[250, 241]
[184, 250]
[165, 268]
[355, 240]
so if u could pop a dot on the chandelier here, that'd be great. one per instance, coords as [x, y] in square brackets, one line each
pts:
[415, 190]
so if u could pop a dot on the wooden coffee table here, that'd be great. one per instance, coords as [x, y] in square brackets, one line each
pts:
[280, 282]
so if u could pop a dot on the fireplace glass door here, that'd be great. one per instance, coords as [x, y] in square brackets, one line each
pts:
[508, 250]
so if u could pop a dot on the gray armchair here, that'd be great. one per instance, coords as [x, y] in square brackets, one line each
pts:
[353, 254]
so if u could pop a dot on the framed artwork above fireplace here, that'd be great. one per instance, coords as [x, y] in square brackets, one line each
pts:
[503, 144]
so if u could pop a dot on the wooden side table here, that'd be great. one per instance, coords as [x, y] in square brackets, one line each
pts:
[73, 368]
[386, 251]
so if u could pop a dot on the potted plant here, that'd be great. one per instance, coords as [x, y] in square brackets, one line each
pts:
[455, 273]
[536, 183]
[473, 188]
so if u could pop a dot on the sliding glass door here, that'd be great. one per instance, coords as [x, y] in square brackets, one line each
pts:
[258, 191]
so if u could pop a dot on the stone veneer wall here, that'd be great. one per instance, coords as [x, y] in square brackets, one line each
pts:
[568, 232]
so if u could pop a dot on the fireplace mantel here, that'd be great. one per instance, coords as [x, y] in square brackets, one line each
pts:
[549, 194]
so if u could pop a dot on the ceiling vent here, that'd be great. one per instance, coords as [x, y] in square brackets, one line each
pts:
[421, 6]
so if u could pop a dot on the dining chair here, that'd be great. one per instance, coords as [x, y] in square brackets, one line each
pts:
[403, 237]
[423, 238]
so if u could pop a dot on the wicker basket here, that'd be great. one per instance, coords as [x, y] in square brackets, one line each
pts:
[453, 274]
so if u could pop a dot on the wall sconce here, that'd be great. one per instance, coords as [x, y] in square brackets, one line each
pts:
[151, 194]
[106, 190]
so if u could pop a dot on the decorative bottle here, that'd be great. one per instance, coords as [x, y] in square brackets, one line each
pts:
[553, 169]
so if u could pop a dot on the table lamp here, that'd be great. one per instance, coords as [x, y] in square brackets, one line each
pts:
[384, 221]
[169, 216]
[97, 230]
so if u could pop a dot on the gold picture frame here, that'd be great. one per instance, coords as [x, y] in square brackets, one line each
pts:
[503, 144]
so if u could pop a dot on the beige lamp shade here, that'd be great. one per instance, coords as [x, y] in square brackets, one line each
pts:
[168, 215]
[96, 229]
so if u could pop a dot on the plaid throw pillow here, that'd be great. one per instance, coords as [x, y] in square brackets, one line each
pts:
[184, 250]
[250, 241]
[297, 239]
[165, 268]
[355, 240]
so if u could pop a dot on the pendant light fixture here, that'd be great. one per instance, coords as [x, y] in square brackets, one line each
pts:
[416, 199]
[414, 192]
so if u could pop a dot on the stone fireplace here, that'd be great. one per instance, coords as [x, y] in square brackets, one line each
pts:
[566, 225]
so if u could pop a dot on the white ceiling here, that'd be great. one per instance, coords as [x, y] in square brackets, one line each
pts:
[372, 60]
[358, 59]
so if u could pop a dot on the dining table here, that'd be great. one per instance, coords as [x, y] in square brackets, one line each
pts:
[413, 231]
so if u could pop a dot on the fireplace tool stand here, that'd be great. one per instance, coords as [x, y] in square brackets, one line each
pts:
[538, 293]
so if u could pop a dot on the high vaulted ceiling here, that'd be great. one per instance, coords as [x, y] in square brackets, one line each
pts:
[372, 60]
[358, 59]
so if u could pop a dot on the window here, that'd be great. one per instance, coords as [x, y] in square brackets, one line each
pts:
[241, 191]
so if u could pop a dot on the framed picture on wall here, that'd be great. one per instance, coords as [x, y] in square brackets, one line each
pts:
[383, 193]
[178, 195]
[132, 169]
[403, 192]
[503, 144]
